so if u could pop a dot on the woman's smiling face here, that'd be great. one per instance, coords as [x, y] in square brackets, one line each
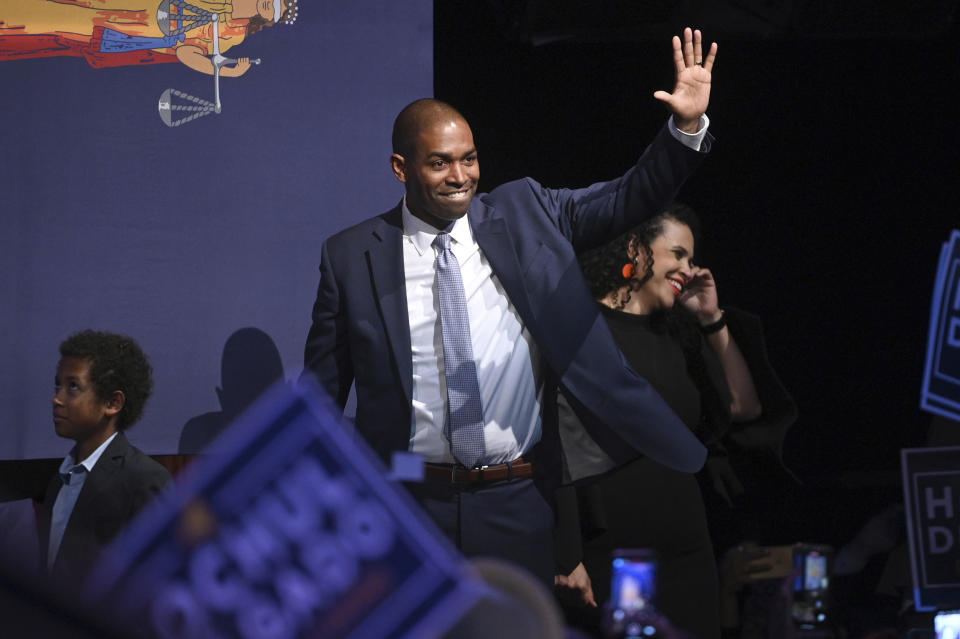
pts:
[672, 267]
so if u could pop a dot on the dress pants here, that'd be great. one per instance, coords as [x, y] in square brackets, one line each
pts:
[509, 519]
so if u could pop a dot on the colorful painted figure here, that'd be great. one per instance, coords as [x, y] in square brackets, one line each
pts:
[110, 33]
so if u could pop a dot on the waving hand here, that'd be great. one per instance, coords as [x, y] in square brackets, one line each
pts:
[691, 93]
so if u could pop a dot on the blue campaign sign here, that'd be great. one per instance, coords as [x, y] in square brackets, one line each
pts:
[931, 487]
[290, 530]
[941, 380]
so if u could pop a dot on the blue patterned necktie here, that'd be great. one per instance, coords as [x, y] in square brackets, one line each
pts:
[464, 409]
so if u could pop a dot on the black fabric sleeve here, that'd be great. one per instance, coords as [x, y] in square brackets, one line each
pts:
[568, 543]
[768, 431]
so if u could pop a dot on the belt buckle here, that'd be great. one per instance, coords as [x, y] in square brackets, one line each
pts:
[467, 471]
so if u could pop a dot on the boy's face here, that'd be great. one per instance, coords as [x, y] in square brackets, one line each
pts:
[78, 413]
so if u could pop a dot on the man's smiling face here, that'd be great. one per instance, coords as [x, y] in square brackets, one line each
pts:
[442, 172]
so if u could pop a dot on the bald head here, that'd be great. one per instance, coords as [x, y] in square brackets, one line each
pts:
[435, 158]
[418, 116]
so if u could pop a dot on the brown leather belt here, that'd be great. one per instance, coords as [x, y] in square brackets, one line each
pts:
[456, 474]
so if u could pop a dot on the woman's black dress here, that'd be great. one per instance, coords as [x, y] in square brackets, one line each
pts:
[644, 504]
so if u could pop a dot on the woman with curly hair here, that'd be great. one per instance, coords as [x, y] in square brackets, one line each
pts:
[664, 313]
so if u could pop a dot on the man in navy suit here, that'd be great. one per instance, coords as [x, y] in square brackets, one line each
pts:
[377, 321]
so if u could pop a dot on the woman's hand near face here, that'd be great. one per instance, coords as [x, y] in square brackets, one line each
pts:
[700, 296]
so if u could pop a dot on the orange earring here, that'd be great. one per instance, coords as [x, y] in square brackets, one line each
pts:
[628, 270]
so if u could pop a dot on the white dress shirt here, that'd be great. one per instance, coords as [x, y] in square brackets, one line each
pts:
[511, 385]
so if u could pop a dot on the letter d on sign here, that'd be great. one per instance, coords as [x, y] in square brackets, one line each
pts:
[940, 539]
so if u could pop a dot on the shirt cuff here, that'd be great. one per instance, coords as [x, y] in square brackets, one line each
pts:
[692, 140]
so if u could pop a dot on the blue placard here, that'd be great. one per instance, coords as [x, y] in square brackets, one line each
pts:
[940, 393]
[931, 487]
[290, 530]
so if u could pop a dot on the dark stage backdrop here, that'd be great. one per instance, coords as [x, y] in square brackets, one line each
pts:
[183, 236]
[825, 201]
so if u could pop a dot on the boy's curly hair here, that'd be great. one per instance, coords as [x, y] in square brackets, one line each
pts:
[117, 363]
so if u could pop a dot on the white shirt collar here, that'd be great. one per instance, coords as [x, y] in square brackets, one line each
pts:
[88, 463]
[421, 234]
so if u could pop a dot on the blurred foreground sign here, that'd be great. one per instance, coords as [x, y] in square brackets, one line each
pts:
[931, 488]
[940, 393]
[289, 530]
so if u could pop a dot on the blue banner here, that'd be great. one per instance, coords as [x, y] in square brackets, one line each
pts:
[940, 393]
[289, 530]
[931, 488]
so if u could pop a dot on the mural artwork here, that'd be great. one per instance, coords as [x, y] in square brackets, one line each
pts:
[112, 33]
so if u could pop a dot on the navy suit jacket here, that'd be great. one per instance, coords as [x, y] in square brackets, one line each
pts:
[530, 235]
[120, 484]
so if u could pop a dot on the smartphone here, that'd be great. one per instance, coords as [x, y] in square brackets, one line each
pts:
[633, 591]
[946, 624]
[811, 584]
[633, 585]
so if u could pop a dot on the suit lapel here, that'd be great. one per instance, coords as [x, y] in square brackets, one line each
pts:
[494, 240]
[100, 478]
[385, 260]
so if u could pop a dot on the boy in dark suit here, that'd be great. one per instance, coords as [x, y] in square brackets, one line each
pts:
[102, 382]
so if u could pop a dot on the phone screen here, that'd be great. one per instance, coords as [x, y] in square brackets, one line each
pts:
[634, 581]
[630, 612]
[946, 624]
[811, 587]
[815, 576]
